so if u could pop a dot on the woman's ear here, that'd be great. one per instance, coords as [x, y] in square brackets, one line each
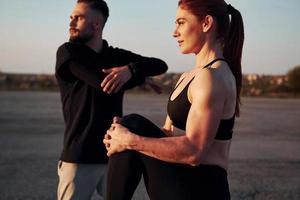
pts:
[207, 23]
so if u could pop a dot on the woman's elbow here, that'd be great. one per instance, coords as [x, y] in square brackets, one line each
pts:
[194, 159]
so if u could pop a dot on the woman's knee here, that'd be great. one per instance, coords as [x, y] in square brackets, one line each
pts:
[141, 126]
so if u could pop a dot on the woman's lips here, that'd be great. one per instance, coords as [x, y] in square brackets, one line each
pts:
[180, 42]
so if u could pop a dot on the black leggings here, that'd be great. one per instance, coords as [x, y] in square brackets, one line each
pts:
[163, 180]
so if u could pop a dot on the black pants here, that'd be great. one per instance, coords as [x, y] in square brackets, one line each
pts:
[163, 180]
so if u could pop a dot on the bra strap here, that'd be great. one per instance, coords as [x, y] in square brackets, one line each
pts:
[212, 62]
[179, 83]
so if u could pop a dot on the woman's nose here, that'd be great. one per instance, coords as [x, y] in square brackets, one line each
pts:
[175, 33]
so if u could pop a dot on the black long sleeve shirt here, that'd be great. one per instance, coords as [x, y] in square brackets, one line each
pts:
[87, 110]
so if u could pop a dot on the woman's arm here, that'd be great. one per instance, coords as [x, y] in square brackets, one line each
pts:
[204, 117]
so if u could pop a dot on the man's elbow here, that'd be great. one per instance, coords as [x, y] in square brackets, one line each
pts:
[160, 66]
[164, 67]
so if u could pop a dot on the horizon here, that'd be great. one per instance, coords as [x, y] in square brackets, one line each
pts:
[168, 72]
[33, 30]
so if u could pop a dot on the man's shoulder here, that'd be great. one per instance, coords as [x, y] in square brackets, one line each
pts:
[67, 52]
[62, 52]
[75, 47]
[75, 51]
[62, 48]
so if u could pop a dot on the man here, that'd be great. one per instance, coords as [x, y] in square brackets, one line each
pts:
[92, 77]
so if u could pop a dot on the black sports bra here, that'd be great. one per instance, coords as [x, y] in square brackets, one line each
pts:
[178, 110]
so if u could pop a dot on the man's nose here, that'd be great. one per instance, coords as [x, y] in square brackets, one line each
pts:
[72, 23]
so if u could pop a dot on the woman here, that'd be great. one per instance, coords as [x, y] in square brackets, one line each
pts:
[203, 106]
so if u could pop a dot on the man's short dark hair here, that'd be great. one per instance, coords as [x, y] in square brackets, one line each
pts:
[98, 5]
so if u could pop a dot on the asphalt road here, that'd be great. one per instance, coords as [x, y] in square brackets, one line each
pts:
[264, 163]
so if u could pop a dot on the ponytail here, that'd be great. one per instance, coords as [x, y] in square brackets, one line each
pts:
[233, 46]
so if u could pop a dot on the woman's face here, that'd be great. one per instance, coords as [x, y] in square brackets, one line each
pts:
[188, 32]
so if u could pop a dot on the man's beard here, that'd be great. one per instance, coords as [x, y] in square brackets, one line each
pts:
[82, 39]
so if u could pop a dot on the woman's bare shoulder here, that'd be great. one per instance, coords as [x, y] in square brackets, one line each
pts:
[206, 83]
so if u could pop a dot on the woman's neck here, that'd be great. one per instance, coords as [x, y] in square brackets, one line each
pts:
[208, 53]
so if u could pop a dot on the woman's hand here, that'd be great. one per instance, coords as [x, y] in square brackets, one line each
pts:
[168, 132]
[117, 139]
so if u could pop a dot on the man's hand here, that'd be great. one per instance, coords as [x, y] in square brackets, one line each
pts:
[116, 78]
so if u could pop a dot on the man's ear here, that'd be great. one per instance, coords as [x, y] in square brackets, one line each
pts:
[207, 23]
[98, 23]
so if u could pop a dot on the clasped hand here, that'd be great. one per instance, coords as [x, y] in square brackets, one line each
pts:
[117, 138]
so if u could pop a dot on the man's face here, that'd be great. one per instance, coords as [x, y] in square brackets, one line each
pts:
[84, 24]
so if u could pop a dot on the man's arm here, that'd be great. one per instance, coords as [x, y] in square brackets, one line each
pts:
[66, 63]
[139, 66]
[82, 60]
[89, 76]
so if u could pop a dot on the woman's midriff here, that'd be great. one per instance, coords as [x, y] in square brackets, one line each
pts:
[217, 154]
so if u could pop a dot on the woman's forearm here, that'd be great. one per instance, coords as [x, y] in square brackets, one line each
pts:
[177, 149]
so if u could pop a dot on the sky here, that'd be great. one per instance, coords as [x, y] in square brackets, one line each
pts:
[32, 30]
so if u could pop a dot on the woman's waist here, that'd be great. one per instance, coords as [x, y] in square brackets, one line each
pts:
[217, 154]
